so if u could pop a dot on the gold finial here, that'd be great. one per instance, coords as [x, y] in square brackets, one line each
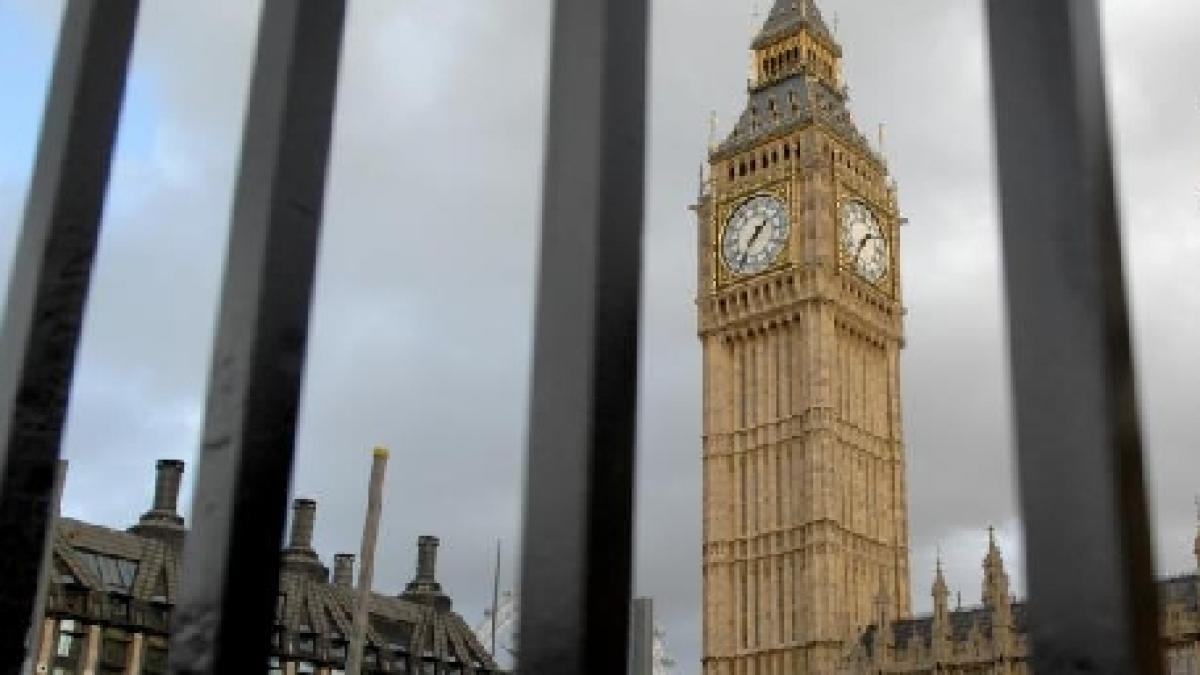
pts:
[380, 451]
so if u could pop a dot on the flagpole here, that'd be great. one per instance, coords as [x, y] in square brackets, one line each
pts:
[366, 570]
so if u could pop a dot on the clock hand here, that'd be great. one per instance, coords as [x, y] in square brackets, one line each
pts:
[754, 237]
[757, 231]
[750, 243]
[862, 244]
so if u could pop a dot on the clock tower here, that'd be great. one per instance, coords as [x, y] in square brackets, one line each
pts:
[800, 316]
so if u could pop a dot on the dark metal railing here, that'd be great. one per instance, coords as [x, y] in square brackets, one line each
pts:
[576, 574]
[1092, 600]
[51, 271]
[1080, 460]
[223, 617]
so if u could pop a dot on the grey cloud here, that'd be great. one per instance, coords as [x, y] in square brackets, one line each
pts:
[421, 328]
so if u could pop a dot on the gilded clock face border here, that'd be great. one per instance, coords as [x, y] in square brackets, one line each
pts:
[887, 221]
[722, 277]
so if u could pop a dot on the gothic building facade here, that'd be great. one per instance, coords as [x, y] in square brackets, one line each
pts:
[991, 637]
[110, 596]
[805, 545]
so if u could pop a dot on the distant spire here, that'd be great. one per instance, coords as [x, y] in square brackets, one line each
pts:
[995, 583]
[941, 607]
[941, 591]
[1196, 547]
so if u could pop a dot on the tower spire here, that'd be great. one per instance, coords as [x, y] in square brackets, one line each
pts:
[788, 16]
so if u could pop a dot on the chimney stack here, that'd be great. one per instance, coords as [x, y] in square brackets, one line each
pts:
[166, 486]
[304, 519]
[427, 559]
[163, 521]
[343, 570]
[425, 588]
[299, 555]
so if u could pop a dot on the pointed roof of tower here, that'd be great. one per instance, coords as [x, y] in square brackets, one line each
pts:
[994, 558]
[940, 589]
[797, 97]
[789, 15]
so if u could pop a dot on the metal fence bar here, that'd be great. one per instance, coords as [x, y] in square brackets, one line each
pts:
[223, 618]
[1092, 600]
[48, 287]
[576, 565]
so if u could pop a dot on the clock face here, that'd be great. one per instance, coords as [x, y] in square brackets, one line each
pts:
[755, 235]
[864, 246]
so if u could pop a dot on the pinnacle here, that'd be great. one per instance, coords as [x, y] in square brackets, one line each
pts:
[994, 557]
[940, 588]
[1196, 547]
[939, 577]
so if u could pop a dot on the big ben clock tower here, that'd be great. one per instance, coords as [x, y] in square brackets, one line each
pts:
[805, 512]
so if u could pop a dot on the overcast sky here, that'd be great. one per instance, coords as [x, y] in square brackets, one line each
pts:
[421, 328]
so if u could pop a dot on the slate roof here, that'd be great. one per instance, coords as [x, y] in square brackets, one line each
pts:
[102, 574]
[1182, 589]
[920, 629]
[798, 102]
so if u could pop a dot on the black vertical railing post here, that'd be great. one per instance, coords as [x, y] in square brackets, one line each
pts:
[223, 617]
[48, 287]
[577, 559]
[1092, 600]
